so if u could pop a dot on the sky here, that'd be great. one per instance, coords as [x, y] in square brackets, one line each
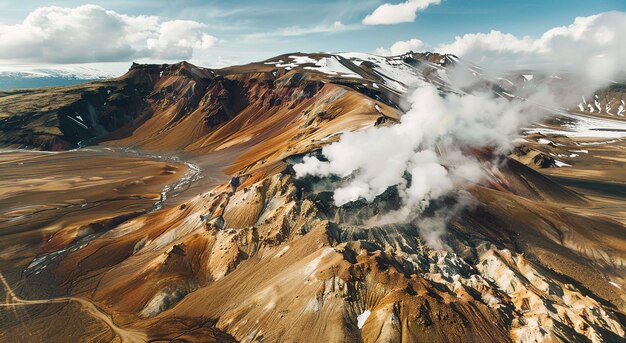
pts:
[109, 35]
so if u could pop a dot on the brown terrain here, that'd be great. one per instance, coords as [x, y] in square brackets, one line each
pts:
[162, 206]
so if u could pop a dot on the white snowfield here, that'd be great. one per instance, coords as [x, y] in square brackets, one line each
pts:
[585, 126]
[332, 66]
[68, 71]
[397, 75]
[295, 62]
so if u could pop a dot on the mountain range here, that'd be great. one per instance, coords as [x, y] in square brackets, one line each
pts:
[163, 205]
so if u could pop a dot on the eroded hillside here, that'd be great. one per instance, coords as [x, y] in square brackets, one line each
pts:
[185, 221]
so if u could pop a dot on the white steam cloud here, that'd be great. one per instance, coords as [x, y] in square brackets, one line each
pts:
[425, 144]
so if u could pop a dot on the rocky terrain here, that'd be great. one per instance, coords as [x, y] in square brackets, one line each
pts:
[163, 206]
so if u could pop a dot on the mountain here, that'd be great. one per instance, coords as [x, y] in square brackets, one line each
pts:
[12, 77]
[163, 206]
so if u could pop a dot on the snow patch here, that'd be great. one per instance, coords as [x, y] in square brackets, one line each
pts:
[586, 126]
[545, 141]
[282, 251]
[332, 66]
[597, 103]
[331, 136]
[597, 143]
[295, 62]
[561, 164]
[397, 75]
[313, 264]
[361, 318]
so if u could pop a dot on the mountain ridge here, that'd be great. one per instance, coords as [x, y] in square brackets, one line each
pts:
[240, 249]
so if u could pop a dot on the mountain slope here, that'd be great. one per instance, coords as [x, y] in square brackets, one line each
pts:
[267, 256]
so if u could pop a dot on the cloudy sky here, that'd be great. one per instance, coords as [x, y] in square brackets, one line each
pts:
[109, 35]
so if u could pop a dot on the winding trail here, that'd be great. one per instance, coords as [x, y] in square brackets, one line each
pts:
[126, 335]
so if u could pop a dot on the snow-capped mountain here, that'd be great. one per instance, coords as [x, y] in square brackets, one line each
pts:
[28, 76]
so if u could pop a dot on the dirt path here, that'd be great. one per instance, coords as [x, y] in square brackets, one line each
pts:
[126, 335]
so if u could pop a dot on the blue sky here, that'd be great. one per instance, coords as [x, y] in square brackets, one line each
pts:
[245, 31]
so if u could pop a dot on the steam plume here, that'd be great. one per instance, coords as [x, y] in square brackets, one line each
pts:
[379, 157]
[428, 144]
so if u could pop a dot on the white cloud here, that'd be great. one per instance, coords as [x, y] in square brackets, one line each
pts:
[402, 47]
[294, 31]
[178, 38]
[91, 33]
[404, 12]
[590, 44]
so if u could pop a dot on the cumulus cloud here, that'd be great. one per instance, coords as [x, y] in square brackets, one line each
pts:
[592, 45]
[402, 47]
[91, 33]
[404, 12]
[177, 39]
